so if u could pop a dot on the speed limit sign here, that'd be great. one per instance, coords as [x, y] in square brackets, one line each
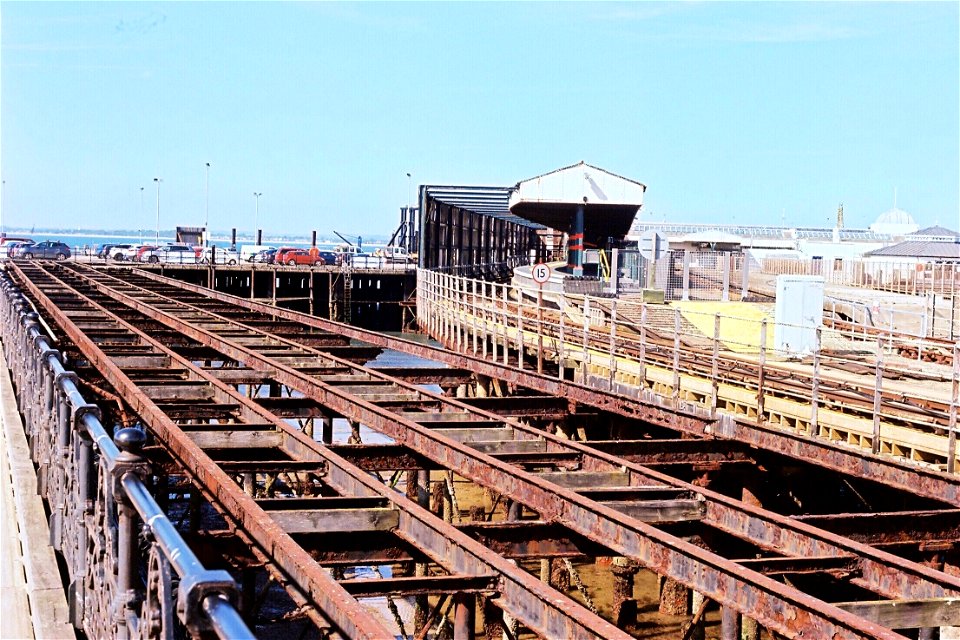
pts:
[541, 273]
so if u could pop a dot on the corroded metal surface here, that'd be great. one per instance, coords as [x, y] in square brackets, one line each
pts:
[593, 494]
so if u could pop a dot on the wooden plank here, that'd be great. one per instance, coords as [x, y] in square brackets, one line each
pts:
[586, 479]
[336, 520]
[419, 585]
[481, 434]
[660, 510]
[907, 614]
[236, 439]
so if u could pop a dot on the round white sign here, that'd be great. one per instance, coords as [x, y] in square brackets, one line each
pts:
[541, 273]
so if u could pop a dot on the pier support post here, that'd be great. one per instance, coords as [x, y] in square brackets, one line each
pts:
[729, 623]
[624, 606]
[575, 244]
[463, 617]
[674, 597]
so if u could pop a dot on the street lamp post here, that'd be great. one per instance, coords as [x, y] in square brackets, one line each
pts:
[206, 219]
[256, 214]
[158, 181]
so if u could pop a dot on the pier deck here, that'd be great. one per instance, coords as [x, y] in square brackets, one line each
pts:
[782, 528]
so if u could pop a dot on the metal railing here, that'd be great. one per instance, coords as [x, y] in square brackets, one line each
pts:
[619, 345]
[101, 509]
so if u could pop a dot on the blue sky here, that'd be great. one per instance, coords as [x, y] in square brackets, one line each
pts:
[728, 112]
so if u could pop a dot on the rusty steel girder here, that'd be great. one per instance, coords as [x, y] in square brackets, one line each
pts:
[884, 573]
[535, 604]
[779, 607]
[646, 406]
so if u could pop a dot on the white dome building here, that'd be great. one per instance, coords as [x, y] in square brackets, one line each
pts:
[895, 222]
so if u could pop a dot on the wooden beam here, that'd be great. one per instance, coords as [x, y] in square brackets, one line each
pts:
[907, 614]
[661, 510]
[336, 520]
[236, 439]
[419, 585]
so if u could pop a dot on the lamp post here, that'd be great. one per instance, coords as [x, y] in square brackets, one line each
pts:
[158, 181]
[206, 219]
[256, 213]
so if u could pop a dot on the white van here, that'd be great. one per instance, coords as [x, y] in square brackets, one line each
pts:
[247, 251]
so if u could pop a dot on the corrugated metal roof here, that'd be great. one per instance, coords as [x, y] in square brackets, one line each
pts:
[937, 230]
[920, 249]
[488, 201]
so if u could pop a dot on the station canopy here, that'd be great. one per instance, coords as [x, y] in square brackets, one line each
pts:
[610, 201]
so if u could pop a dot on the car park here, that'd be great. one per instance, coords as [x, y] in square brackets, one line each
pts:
[7, 242]
[48, 249]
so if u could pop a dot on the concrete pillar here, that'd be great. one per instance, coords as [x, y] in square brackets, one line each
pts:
[624, 606]
[674, 597]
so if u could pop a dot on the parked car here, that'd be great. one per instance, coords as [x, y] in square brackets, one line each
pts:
[266, 256]
[134, 252]
[15, 249]
[175, 253]
[394, 255]
[219, 256]
[250, 251]
[116, 251]
[7, 241]
[281, 252]
[329, 257]
[346, 253]
[49, 249]
[300, 257]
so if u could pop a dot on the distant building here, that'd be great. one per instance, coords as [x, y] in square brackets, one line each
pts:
[895, 222]
[935, 234]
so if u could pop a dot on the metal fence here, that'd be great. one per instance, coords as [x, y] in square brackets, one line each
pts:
[621, 340]
[131, 574]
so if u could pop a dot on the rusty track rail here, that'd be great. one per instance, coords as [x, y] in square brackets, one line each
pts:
[632, 402]
[719, 578]
[544, 611]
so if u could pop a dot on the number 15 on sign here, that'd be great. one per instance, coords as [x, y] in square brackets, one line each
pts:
[541, 273]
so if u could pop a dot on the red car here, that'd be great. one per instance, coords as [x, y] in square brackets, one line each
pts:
[278, 256]
[299, 257]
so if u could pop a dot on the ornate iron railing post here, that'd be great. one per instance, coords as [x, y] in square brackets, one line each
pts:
[130, 441]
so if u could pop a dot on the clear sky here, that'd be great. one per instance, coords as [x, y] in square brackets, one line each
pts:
[728, 112]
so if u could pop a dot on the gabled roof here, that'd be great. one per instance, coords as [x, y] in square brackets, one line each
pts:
[919, 249]
[609, 201]
[582, 164]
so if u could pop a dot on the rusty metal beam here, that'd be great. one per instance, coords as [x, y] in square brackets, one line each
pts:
[643, 406]
[675, 558]
[543, 610]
